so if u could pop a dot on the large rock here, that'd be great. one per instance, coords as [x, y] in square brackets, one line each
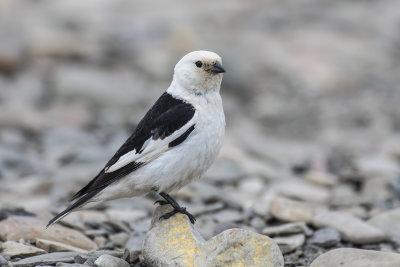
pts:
[351, 257]
[30, 229]
[351, 228]
[175, 242]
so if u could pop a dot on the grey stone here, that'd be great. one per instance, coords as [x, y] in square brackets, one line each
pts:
[252, 186]
[100, 241]
[284, 229]
[119, 239]
[257, 223]
[376, 189]
[373, 165]
[351, 257]
[388, 222]
[72, 265]
[303, 190]
[325, 237]
[110, 261]
[322, 178]
[345, 195]
[3, 261]
[50, 258]
[135, 241]
[289, 243]
[291, 210]
[15, 249]
[98, 253]
[351, 228]
[54, 246]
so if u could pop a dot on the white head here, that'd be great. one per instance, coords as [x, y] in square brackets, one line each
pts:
[199, 72]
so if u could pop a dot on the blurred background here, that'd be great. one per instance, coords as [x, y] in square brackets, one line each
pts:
[311, 85]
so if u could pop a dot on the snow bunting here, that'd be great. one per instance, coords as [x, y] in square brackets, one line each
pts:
[175, 143]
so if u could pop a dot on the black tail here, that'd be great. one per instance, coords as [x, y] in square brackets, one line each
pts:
[77, 204]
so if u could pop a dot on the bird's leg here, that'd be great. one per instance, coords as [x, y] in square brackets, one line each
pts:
[175, 205]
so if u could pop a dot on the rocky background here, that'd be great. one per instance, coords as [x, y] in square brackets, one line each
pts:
[311, 95]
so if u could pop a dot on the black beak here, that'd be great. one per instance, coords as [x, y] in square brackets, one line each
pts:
[217, 68]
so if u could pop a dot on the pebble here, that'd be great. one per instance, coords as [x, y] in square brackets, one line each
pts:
[289, 243]
[30, 229]
[78, 219]
[303, 190]
[291, 210]
[351, 257]
[351, 228]
[47, 259]
[110, 261]
[100, 241]
[376, 189]
[345, 195]
[96, 232]
[119, 239]
[98, 253]
[285, 229]
[386, 222]
[377, 165]
[325, 237]
[3, 260]
[15, 249]
[257, 223]
[322, 178]
[251, 186]
[135, 242]
[54, 246]
[72, 265]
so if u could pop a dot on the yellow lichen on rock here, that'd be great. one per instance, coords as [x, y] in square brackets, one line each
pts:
[180, 239]
[175, 242]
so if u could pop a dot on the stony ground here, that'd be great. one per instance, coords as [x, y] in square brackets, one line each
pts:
[312, 152]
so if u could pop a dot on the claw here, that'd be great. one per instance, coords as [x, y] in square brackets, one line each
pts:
[161, 202]
[175, 211]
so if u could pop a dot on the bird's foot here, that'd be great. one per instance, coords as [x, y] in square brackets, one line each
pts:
[179, 210]
[161, 202]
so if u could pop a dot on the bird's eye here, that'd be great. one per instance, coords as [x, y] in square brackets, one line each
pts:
[198, 64]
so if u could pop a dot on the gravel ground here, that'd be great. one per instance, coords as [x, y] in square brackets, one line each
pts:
[312, 152]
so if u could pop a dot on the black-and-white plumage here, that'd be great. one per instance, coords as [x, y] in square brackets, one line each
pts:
[175, 142]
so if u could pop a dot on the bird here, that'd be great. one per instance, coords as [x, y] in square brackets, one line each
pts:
[175, 142]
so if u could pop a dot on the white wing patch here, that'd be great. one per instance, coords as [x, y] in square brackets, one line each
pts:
[151, 148]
